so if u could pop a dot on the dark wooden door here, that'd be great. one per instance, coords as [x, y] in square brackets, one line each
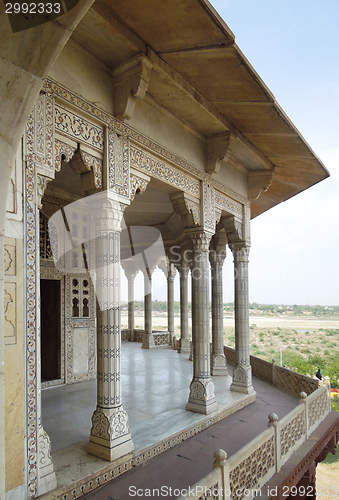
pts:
[50, 329]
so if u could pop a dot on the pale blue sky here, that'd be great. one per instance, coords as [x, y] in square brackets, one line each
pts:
[293, 45]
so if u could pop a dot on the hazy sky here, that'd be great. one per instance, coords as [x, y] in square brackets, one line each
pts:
[293, 45]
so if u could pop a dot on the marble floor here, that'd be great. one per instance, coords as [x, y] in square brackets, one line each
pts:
[155, 385]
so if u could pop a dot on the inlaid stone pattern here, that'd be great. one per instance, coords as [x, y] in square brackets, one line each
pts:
[10, 291]
[292, 433]
[80, 129]
[40, 134]
[118, 162]
[153, 166]
[317, 408]
[248, 473]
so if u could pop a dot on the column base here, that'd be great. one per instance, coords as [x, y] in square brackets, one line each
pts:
[111, 454]
[110, 436]
[242, 380]
[148, 341]
[218, 365]
[46, 475]
[202, 397]
[184, 346]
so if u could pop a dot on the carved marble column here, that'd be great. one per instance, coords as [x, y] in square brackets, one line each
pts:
[184, 342]
[242, 375]
[201, 398]
[110, 436]
[148, 339]
[218, 359]
[130, 279]
[171, 272]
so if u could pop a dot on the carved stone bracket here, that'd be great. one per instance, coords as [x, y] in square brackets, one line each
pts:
[138, 184]
[215, 151]
[131, 79]
[64, 152]
[187, 208]
[234, 229]
[41, 187]
[90, 169]
[259, 181]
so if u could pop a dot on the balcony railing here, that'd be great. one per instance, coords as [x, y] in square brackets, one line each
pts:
[245, 473]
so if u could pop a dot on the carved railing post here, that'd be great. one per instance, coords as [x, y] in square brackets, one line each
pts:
[110, 436]
[220, 460]
[273, 422]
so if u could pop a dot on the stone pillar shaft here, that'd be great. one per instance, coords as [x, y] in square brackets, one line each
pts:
[184, 343]
[170, 298]
[218, 359]
[110, 436]
[148, 340]
[131, 325]
[201, 398]
[242, 376]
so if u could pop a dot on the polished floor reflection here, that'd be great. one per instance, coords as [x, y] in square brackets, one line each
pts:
[155, 386]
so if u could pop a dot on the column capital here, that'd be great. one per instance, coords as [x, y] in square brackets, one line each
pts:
[240, 251]
[106, 210]
[200, 238]
[130, 269]
[171, 271]
[183, 271]
[217, 258]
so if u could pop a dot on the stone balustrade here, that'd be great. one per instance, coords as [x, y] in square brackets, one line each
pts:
[286, 379]
[160, 338]
[248, 470]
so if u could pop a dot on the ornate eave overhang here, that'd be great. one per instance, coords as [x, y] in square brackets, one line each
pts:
[201, 76]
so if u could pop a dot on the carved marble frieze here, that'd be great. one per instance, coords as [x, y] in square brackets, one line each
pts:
[145, 153]
[153, 166]
[39, 137]
[78, 128]
[10, 291]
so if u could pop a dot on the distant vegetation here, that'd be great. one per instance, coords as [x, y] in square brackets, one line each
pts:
[256, 309]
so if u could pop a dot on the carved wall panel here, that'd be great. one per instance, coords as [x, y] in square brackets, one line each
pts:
[118, 154]
[80, 323]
